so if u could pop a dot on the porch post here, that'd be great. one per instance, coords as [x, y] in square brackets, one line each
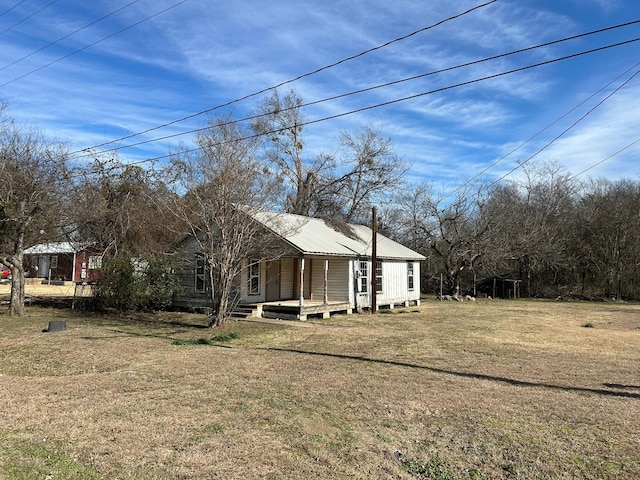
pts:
[302, 281]
[326, 282]
[73, 267]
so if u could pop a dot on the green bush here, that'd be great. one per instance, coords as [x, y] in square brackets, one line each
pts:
[137, 283]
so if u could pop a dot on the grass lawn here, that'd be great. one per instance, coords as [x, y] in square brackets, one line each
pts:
[484, 390]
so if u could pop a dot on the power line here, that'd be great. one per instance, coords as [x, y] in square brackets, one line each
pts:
[9, 9]
[336, 97]
[467, 182]
[564, 132]
[286, 82]
[28, 17]
[418, 95]
[95, 43]
[55, 42]
[606, 159]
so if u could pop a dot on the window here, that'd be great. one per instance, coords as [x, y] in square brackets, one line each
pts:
[253, 286]
[410, 276]
[95, 262]
[364, 277]
[200, 274]
[378, 277]
[54, 262]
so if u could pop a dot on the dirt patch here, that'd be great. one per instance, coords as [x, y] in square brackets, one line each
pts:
[67, 289]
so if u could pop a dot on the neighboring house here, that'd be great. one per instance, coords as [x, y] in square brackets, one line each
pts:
[62, 261]
[320, 269]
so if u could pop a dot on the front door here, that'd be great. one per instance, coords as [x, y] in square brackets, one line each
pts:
[273, 281]
[43, 267]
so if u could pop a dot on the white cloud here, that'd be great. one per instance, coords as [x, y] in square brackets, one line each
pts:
[613, 127]
[200, 54]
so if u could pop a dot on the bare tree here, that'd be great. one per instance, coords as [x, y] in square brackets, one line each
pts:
[534, 220]
[33, 178]
[121, 207]
[609, 255]
[225, 183]
[449, 232]
[344, 185]
[367, 173]
[280, 124]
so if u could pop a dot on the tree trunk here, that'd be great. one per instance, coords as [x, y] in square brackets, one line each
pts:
[221, 292]
[16, 303]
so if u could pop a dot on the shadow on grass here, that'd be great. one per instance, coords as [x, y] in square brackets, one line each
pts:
[160, 322]
[154, 335]
[155, 328]
[623, 387]
[477, 376]
[121, 333]
[141, 322]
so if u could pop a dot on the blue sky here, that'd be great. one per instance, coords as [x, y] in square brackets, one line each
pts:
[89, 82]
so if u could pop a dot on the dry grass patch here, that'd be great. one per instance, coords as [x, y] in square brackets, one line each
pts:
[475, 390]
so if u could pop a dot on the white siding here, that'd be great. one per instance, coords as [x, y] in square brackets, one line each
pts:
[338, 280]
[341, 282]
[244, 287]
[286, 279]
[316, 269]
[394, 281]
[395, 285]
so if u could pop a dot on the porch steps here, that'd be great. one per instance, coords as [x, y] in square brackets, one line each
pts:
[243, 311]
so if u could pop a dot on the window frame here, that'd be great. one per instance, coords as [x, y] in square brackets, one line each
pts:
[363, 276]
[200, 274]
[379, 276]
[95, 262]
[253, 278]
[411, 276]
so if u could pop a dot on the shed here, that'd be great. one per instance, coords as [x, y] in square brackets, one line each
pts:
[63, 261]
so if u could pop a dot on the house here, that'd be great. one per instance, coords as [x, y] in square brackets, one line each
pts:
[63, 261]
[319, 269]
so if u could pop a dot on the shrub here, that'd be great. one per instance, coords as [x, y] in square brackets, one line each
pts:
[137, 283]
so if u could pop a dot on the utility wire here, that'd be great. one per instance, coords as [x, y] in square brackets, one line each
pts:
[564, 132]
[9, 9]
[83, 152]
[28, 17]
[605, 159]
[95, 43]
[55, 42]
[467, 182]
[281, 84]
[418, 95]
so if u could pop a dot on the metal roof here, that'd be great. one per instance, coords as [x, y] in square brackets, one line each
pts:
[55, 248]
[315, 236]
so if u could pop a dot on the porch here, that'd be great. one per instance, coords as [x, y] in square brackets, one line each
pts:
[292, 310]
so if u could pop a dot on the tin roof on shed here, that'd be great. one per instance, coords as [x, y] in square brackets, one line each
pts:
[55, 248]
[315, 236]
